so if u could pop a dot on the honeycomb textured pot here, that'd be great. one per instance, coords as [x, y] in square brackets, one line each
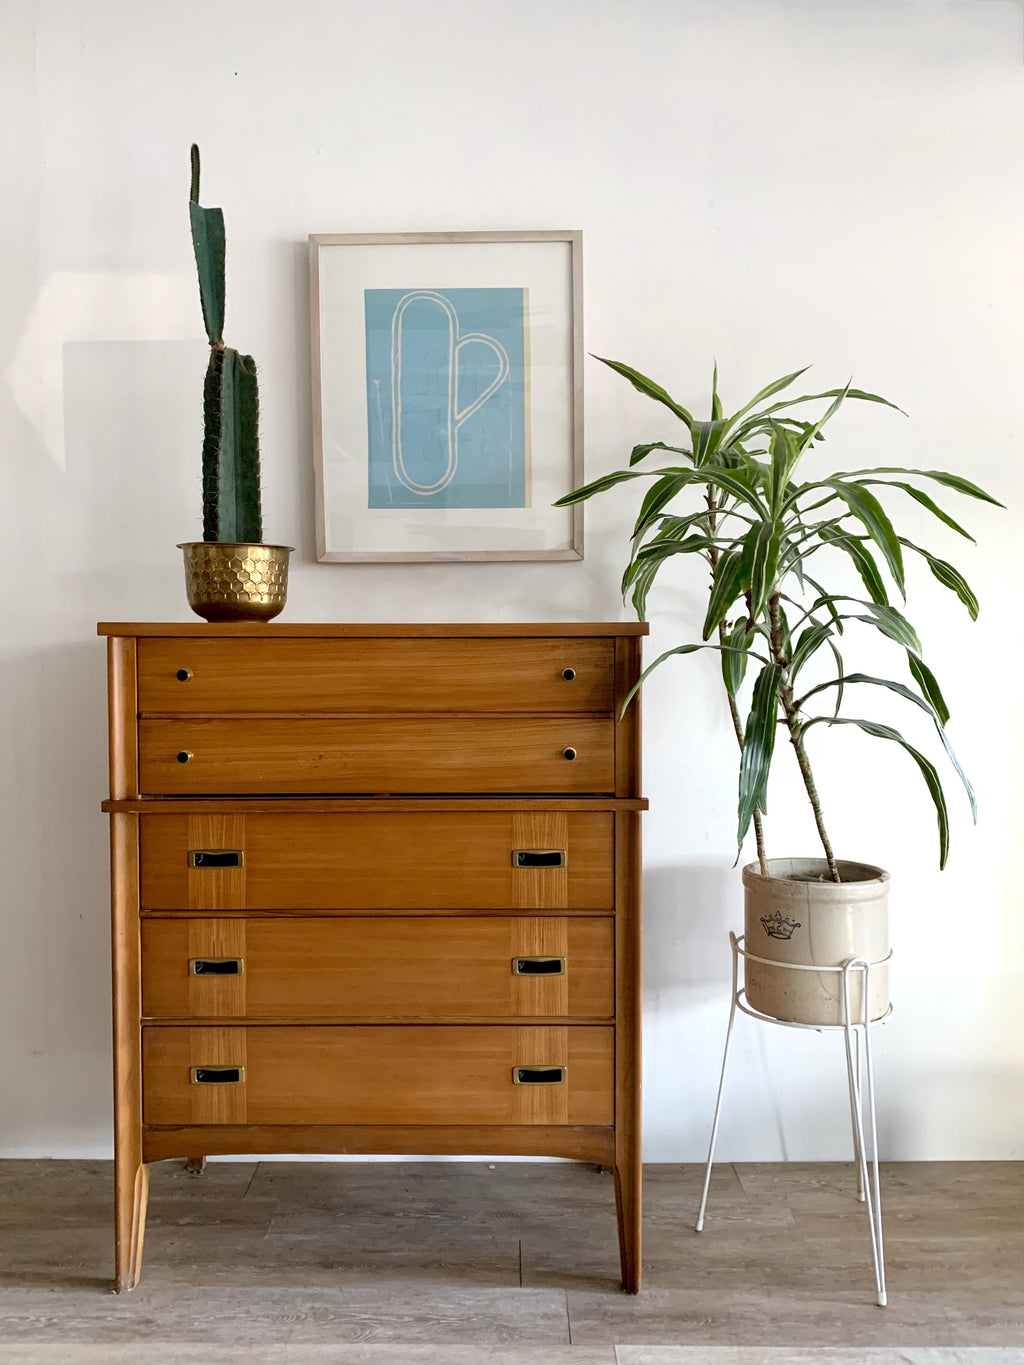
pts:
[229, 581]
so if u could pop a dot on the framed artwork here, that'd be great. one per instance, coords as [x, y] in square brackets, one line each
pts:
[447, 395]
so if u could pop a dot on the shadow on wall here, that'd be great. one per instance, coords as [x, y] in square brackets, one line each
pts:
[55, 966]
[688, 912]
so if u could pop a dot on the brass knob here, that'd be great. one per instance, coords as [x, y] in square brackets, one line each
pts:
[569, 754]
[568, 674]
[185, 756]
[184, 675]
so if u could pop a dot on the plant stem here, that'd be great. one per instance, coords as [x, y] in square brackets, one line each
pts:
[793, 724]
[737, 724]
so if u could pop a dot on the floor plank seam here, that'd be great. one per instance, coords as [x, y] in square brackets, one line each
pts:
[252, 1179]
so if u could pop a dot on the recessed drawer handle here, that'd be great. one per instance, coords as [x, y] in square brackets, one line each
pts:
[538, 966]
[217, 1075]
[568, 674]
[538, 1075]
[538, 857]
[568, 755]
[215, 857]
[215, 966]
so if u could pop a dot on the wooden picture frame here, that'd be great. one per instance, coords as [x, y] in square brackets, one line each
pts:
[447, 395]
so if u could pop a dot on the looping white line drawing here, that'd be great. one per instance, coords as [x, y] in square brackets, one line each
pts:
[454, 415]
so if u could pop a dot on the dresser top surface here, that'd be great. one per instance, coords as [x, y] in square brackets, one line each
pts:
[369, 630]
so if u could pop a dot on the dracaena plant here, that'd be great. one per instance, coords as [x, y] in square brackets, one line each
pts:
[778, 542]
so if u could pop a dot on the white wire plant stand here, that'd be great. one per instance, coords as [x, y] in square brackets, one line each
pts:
[860, 1075]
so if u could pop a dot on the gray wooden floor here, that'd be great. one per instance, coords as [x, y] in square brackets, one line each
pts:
[478, 1264]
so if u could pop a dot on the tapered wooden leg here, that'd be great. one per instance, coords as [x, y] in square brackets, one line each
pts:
[627, 1047]
[131, 1175]
[195, 1165]
[131, 1195]
[627, 1208]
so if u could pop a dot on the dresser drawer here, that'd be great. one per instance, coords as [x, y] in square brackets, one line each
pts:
[380, 861]
[377, 756]
[429, 968]
[449, 1074]
[282, 675]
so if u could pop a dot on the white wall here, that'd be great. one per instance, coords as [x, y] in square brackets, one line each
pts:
[770, 184]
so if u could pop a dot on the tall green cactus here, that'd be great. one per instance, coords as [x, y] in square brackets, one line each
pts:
[231, 451]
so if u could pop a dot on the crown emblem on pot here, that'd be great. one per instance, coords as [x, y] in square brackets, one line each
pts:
[779, 925]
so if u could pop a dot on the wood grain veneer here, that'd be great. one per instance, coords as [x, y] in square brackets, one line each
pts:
[378, 755]
[379, 1074]
[379, 861]
[303, 675]
[402, 967]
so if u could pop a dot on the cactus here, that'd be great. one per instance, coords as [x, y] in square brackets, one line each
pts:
[231, 453]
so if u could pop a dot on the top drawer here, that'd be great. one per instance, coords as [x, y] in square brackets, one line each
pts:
[292, 675]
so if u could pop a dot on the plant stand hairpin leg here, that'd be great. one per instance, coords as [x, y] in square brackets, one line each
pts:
[862, 1098]
[870, 1193]
[699, 1225]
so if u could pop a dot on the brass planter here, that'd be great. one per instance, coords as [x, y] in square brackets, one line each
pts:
[228, 581]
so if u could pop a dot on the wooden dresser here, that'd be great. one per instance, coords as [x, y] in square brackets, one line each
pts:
[375, 889]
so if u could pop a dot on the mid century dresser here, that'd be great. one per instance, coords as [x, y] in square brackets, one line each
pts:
[375, 889]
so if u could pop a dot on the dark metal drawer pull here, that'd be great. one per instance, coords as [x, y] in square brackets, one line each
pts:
[538, 857]
[568, 755]
[538, 1075]
[568, 674]
[184, 675]
[538, 966]
[215, 966]
[215, 857]
[184, 755]
[217, 1075]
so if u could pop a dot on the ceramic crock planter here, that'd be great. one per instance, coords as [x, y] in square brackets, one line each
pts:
[797, 915]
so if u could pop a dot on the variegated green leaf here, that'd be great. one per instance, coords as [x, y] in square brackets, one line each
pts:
[724, 591]
[924, 500]
[680, 649]
[769, 391]
[931, 777]
[641, 452]
[870, 512]
[657, 498]
[928, 684]
[760, 559]
[948, 576]
[889, 621]
[600, 485]
[862, 560]
[737, 643]
[783, 457]
[716, 402]
[808, 642]
[647, 386]
[955, 481]
[706, 437]
[652, 556]
[758, 744]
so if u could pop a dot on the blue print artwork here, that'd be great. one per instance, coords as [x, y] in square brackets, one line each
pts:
[446, 397]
